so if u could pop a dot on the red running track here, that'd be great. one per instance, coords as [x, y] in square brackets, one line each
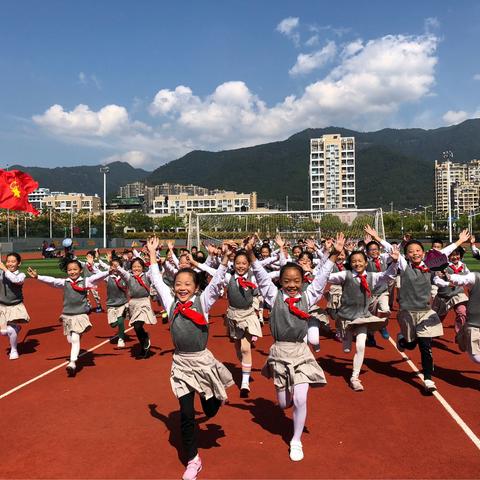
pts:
[119, 419]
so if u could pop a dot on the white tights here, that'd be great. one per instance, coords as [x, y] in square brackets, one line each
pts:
[12, 336]
[359, 348]
[284, 397]
[74, 339]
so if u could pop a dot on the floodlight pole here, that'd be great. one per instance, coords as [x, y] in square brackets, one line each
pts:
[448, 155]
[104, 170]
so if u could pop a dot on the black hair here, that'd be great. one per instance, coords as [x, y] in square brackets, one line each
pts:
[306, 254]
[175, 251]
[194, 247]
[139, 260]
[16, 255]
[116, 258]
[66, 261]
[192, 272]
[297, 246]
[290, 265]
[266, 245]
[241, 253]
[355, 252]
[200, 257]
[437, 240]
[361, 243]
[459, 250]
[92, 253]
[369, 244]
[412, 242]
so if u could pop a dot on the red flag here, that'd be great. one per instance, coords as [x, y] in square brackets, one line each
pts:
[14, 189]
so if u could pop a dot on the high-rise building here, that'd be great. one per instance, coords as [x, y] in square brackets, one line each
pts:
[464, 187]
[332, 172]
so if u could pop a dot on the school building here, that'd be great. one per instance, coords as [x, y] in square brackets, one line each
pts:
[332, 172]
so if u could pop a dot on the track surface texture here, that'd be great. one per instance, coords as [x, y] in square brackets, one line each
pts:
[119, 419]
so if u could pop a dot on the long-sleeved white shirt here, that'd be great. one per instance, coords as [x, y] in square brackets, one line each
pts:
[390, 273]
[60, 282]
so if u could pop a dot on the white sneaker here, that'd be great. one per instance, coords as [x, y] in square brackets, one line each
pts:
[430, 386]
[120, 343]
[13, 355]
[296, 451]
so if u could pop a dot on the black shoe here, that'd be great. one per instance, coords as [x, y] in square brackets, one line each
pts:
[371, 342]
[71, 369]
[146, 347]
[244, 392]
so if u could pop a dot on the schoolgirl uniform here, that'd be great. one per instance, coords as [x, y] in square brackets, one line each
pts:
[334, 294]
[449, 297]
[194, 368]
[76, 308]
[139, 307]
[87, 271]
[12, 309]
[380, 297]
[468, 337]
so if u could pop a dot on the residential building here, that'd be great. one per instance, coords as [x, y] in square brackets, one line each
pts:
[332, 172]
[68, 202]
[464, 187]
[219, 201]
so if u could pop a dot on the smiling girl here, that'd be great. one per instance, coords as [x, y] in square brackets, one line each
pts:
[194, 368]
[290, 363]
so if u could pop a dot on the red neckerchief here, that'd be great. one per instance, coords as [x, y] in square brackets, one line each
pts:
[139, 279]
[378, 265]
[422, 268]
[340, 266]
[243, 283]
[456, 269]
[118, 283]
[78, 288]
[364, 285]
[307, 278]
[290, 301]
[185, 310]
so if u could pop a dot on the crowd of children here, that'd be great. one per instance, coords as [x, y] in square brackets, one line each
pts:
[357, 279]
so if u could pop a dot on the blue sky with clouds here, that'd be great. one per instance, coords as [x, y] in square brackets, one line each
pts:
[146, 82]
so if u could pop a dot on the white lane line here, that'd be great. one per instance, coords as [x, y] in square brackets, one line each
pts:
[468, 431]
[48, 372]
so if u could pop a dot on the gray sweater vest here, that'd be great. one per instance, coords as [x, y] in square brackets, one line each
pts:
[86, 271]
[371, 267]
[354, 301]
[136, 289]
[116, 297]
[75, 303]
[10, 293]
[187, 336]
[415, 289]
[449, 292]
[285, 326]
[473, 305]
[237, 296]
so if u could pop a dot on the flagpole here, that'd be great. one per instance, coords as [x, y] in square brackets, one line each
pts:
[8, 217]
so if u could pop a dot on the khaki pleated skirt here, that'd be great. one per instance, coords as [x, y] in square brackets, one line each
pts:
[292, 363]
[415, 324]
[372, 323]
[240, 321]
[200, 372]
[468, 339]
[113, 313]
[75, 323]
[13, 314]
[141, 311]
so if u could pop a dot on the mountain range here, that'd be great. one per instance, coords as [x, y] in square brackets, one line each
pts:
[392, 165]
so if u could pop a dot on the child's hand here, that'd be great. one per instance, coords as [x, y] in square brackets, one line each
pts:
[170, 244]
[407, 237]
[279, 241]
[339, 243]
[2, 266]
[311, 244]
[395, 253]
[32, 273]
[211, 249]
[370, 231]
[89, 258]
[250, 244]
[152, 245]
[464, 236]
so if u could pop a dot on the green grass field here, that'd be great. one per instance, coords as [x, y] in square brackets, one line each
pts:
[50, 266]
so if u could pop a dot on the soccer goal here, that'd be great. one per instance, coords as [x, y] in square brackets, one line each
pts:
[292, 225]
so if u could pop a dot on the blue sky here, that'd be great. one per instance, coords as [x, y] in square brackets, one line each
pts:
[146, 82]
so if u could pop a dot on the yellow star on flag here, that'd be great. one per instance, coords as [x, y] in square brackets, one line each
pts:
[15, 189]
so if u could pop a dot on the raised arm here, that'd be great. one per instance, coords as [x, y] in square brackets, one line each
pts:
[462, 238]
[52, 281]
[96, 278]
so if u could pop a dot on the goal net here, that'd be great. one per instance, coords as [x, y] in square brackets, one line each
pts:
[292, 225]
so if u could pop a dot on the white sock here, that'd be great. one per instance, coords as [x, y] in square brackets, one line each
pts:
[75, 347]
[246, 369]
[359, 354]
[12, 336]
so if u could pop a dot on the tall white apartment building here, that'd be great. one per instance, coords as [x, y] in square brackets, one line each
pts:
[332, 172]
[464, 187]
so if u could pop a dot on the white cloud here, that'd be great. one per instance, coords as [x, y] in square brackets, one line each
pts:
[431, 24]
[307, 62]
[312, 41]
[453, 117]
[288, 28]
[84, 79]
[476, 76]
[371, 81]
